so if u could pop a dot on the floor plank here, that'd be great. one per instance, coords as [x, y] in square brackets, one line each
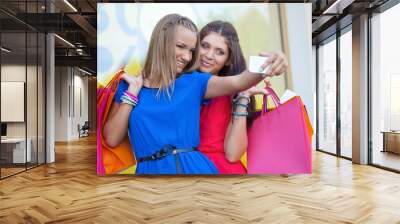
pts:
[69, 191]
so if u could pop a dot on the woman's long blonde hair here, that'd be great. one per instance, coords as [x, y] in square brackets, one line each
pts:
[160, 64]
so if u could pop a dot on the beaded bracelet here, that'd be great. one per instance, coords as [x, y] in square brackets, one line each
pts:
[125, 97]
[236, 114]
[127, 100]
[241, 104]
[132, 96]
[241, 97]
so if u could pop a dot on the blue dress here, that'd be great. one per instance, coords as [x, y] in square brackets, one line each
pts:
[158, 121]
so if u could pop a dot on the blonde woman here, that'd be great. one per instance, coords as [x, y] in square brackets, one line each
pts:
[161, 108]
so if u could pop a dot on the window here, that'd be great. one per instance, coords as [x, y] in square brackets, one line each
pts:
[346, 94]
[385, 89]
[327, 97]
[23, 75]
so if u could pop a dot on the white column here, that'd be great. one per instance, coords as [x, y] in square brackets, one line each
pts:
[50, 94]
[360, 90]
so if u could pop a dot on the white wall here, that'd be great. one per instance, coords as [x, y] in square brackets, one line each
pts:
[81, 83]
[12, 101]
[71, 94]
[12, 73]
[33, 126]
[61, 103]
[300, 52]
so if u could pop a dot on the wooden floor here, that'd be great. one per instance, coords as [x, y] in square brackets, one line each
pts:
[69, 191]
[5, 172]
[10, 171]
[387, 159]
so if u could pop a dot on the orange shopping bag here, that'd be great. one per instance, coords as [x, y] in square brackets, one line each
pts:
[111, 160]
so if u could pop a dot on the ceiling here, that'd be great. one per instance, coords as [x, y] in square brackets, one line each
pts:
[76, 21]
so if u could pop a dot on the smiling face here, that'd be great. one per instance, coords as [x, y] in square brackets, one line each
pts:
[185, 45]
[220, 52]
[172, 42]
[214, 53]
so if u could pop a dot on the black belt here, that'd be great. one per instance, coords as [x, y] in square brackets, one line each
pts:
[165, 151]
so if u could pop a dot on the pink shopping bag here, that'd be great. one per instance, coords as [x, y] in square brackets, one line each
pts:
[279, 141]
[100, 110]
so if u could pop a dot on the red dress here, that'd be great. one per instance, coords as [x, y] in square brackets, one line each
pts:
[214, 120]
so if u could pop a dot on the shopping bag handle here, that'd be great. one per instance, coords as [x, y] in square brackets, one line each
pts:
[274, 97]
[116, 79]
[113, 83]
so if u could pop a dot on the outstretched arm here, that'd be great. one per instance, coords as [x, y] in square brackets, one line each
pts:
[222, 86]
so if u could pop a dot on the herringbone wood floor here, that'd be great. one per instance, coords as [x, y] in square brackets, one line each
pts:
[69, 191]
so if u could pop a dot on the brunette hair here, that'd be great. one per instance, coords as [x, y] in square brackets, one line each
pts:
[237, 63]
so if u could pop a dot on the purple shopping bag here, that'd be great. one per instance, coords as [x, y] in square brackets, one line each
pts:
[279, 141]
